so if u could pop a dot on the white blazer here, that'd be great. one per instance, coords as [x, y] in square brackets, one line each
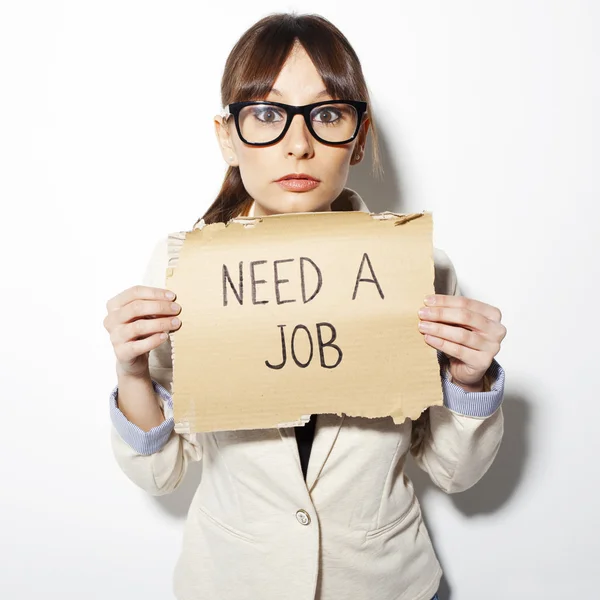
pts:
[256, 530]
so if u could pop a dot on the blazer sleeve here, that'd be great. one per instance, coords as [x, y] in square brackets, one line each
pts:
[156, 460]
[456, 443]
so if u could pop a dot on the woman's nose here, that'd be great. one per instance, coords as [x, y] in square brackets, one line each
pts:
[298, 139]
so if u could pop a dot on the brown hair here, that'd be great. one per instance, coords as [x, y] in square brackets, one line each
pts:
[255, 62]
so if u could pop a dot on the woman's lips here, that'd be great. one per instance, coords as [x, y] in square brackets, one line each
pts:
[298, 185]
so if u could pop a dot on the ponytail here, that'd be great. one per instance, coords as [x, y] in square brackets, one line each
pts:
[232, 200]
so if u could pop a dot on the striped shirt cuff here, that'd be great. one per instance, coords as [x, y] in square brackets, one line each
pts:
[472, 404]
[143, 442]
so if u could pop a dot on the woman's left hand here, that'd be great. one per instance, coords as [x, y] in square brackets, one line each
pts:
[469, 332]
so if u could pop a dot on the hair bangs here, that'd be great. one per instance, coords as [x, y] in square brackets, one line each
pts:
[262, 53]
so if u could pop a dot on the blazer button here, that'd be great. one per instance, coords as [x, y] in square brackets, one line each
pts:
[303, 517]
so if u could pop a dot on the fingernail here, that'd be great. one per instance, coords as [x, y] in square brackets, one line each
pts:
[170, 295]
[429, 300]
[424, 326]
[424, 312]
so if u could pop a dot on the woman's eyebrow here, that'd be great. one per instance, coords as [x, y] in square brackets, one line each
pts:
[319, 95]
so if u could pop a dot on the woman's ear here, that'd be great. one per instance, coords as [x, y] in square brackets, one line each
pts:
[225, 142]
[361, 140]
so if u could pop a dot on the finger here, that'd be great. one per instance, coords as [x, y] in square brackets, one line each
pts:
[443, 300]
[146, 308]
[142, 328]
[473, 358]
[459, 335]
[130, 350]
[458, 316]
[138, 292]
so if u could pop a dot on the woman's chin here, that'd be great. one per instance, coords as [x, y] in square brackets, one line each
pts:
[293, 202]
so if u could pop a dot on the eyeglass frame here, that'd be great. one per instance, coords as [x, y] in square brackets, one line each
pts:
[291, 111]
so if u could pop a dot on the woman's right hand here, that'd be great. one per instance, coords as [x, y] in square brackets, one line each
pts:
[135, 321]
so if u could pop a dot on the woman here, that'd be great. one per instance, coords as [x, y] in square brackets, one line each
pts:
[266, 522]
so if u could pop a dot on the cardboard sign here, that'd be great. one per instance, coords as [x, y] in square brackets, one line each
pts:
[288, 315]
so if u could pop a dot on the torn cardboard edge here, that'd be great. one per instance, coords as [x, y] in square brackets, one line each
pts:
[401, 218]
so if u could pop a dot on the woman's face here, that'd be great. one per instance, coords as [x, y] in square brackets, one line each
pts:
[298, 152]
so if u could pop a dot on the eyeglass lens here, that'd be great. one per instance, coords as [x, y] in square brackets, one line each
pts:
[262, 123]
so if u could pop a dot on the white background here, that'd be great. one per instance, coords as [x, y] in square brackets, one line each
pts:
[489, 118]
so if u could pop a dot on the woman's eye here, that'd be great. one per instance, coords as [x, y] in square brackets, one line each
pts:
[327, 115]
[268, 115]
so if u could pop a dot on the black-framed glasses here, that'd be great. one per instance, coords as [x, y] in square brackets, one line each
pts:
[260, 123]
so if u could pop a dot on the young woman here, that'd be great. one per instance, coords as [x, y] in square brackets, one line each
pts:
[323, 511]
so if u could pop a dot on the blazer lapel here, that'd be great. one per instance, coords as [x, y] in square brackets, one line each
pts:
[326, 432]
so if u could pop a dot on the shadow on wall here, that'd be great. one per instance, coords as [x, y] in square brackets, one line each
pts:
[379, 194]
[500, 482]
